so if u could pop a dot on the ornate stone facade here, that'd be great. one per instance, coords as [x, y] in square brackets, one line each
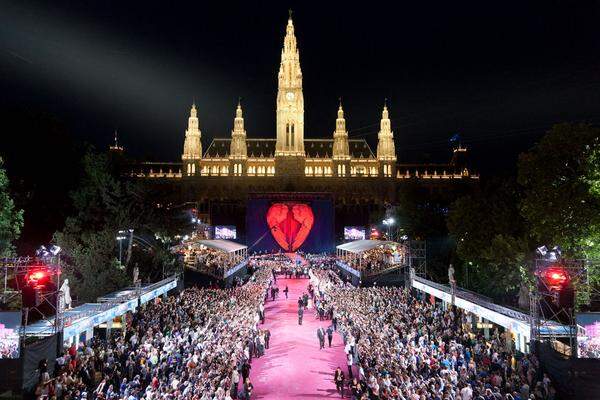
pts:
[230, 168]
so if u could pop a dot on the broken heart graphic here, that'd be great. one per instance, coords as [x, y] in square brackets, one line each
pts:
[290, 224]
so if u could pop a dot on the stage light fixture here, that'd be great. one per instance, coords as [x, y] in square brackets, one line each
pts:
[556, 276]
[55, 250]
[542, 250]
[37, 277]
[557, 251]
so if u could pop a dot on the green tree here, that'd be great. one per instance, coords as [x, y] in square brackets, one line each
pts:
[561, 178]
[421, 214]
[491, 239]
[104, 204]
[11, 219]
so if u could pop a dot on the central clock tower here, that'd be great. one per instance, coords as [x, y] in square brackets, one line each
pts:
[289, 151]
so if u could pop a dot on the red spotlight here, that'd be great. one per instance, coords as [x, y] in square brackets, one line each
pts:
[555, 276]
[38, 277]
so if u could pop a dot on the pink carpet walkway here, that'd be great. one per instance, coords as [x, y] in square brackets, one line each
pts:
[294, 367]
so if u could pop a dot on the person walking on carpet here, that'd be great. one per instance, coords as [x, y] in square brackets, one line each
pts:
[300, 315]
[267, 338]
[321, 336]
[330, 334]
[339, 381]
[350, 362]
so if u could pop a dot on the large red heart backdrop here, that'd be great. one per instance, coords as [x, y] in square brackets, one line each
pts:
[290, 224]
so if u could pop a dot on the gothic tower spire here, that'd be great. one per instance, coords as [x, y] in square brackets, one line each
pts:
[340, 137]
[386, 151]
[238, 147]
[290, 100]
[341, 151]
[192, 146]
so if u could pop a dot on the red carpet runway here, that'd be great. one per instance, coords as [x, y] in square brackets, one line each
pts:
[294, 367]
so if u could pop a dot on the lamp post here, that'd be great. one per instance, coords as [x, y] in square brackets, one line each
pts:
[124, 235]
[388, 222]
[120, 237]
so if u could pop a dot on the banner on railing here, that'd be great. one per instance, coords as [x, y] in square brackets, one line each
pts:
[347, 268]
[235, 269]
[146, 297]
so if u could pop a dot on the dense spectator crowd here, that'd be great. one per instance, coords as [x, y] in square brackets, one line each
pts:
[589, 348]
[378, 259]
[194, 345]
[199, 345]
[399, 347]
[9, 347]
[214, 262]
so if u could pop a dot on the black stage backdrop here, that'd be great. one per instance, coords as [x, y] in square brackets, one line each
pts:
[320, 237]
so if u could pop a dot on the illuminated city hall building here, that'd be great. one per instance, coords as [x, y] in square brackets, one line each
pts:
[231, 168]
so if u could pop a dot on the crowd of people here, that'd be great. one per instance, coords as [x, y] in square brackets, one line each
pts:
[590, 347]
[378, 258]
[9, 347]
[400, 347]
[9, 335]
[194, 345]
[199, 345]
[214, 262]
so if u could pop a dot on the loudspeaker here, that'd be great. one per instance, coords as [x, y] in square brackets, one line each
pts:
[566, 297]
[31, 297]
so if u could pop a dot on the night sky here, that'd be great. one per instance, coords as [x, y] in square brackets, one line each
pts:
[499, 75]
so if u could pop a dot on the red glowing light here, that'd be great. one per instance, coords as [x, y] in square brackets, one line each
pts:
[555, 276]
[38, 277]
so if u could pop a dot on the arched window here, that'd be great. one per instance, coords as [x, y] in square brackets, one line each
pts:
[293, 139]
[287, 135]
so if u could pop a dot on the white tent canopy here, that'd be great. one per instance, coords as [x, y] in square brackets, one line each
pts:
[360, 246]
[193, 251]
[353, 253]
[224, 245]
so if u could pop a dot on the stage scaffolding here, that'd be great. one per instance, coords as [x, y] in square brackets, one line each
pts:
[14, 271]
[418, 257]
[543, 314]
